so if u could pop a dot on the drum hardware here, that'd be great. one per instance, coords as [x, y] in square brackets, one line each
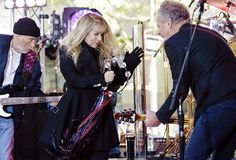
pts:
[221, 23]
[174, 145]
[228, 24]
[232, 44]
[229, 6]
[130, 116]
[218, 24]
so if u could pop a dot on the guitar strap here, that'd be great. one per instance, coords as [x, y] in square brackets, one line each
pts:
[28, 66]
[77, 139]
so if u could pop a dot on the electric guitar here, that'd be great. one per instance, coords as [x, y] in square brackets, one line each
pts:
[131, 116]
[5, 100]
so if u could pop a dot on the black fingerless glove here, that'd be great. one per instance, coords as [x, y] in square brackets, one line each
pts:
[133, 59]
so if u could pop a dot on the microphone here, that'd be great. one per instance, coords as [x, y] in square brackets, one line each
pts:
[201, 5]
[42, 40]
[41, 43]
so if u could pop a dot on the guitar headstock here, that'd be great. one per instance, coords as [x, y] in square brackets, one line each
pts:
[129, 116]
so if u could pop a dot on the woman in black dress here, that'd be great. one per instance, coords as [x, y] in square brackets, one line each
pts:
[82, 55]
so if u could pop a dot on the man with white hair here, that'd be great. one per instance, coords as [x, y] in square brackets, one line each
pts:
[210, 73]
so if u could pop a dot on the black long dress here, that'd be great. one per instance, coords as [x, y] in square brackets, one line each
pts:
[84, 83]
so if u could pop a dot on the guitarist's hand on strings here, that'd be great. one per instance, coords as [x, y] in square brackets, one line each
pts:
[151, 119]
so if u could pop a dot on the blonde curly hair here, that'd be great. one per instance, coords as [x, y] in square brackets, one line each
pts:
[84, 26]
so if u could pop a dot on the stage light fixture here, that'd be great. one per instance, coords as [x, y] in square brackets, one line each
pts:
[20, 3]
[41, 2]
[30, 3]
[56, 26]
[10, 4]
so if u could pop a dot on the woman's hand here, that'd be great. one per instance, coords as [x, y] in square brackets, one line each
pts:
[109, 76]
[138, 51]
[134, 58]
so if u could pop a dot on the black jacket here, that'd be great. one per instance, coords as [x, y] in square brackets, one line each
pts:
[210, 71]
[33, 87]
[84, 82]
[28, 125]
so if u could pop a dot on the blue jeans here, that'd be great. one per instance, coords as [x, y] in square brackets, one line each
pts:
[6, 139]
[214, 133]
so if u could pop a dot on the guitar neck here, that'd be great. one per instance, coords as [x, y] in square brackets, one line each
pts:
[141, 117]
[131, 116]
[28, 100]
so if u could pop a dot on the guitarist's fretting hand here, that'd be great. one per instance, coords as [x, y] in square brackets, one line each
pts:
[151, 119]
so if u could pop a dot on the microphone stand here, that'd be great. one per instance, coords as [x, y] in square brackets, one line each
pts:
[190, 4]
[177, 87]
